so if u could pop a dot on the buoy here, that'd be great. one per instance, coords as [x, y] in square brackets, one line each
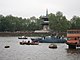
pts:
[52, 46]
[7, 46]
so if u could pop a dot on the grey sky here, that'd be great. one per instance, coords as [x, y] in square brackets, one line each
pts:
[28, 8]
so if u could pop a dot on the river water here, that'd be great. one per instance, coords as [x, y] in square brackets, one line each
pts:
[35, 52]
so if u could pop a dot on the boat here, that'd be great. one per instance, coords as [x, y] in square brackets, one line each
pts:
[50, 39]
[34, 43]
[28, 41]
[22, 37]
[24, 42]
[73, 36]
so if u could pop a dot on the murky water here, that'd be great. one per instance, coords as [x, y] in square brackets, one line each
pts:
[35, 52]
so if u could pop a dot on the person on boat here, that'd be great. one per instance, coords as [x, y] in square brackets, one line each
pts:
[28, 42]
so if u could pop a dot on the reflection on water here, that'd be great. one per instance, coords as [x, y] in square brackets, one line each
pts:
[73, 54]
[35, 52]
[73, 51]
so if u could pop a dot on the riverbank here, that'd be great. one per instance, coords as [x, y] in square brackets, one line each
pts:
[40, 34]
[23, 33]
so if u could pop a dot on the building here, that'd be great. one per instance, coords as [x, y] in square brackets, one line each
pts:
[45, 24]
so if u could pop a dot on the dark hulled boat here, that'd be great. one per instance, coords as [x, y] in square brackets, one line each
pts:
[51, 40]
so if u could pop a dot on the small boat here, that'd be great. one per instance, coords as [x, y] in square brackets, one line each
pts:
[52, 46]
[22, 37]
[34, 43]
[25, 43]
[29, 43]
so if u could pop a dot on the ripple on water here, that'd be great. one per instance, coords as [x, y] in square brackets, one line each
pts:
[35, 52]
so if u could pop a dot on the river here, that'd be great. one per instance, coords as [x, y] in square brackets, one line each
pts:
[35, 52]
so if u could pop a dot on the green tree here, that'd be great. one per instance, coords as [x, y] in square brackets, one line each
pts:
[58, 22]
[75, 22]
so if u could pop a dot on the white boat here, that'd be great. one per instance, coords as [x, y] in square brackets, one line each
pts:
[22, 37]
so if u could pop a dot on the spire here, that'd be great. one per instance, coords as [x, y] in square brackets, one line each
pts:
[47, 13]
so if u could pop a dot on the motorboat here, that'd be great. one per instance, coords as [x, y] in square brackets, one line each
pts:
[22, 37]
[28, 41]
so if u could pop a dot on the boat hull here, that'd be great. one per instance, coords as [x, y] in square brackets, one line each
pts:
[28, 43]
[22, 38]
[51, 40]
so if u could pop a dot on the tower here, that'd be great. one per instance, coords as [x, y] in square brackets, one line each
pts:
[45, 23]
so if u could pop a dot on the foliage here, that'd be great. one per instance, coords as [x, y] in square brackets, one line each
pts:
[75, 22]
[57, 23]
[11, 23]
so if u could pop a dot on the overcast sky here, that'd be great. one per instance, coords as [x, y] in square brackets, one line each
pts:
[28, 8]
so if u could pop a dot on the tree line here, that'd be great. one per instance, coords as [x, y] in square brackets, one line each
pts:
[57, 23]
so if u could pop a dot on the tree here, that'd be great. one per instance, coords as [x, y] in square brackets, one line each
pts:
[52, 21]
[58, 22]
[75, 22]
[1, 17]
